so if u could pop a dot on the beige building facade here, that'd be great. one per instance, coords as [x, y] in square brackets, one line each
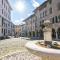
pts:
[17, 30]
[31, 26]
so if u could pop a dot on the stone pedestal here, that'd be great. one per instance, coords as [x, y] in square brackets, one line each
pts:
[47, 32]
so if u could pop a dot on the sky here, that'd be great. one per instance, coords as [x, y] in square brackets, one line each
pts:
[21, 9]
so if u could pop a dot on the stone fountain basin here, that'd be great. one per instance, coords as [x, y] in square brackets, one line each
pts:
[49, 53]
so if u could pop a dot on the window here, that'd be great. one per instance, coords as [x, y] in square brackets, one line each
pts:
[53, 20]
[2, 30]
[40, 22]
[2, 21]
[6, 30]
[2, 2]
[40, 15]
[58, 6]
[4, 5]
[56, 19]
[50, 1]
[2, 11]
[6, 25]
[45, 13]
[50, 10]
[59, 18]
[33, 20]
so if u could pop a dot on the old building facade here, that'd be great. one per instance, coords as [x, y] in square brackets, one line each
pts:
[31, 26]
[5, 18]
[49, 10]
[17, 30]
[23, 32]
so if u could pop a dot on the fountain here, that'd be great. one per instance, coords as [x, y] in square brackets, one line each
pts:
[46, 49]
[47, 32]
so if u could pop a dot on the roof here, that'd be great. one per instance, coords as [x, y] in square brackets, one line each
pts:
[29, 17]
[43, 5]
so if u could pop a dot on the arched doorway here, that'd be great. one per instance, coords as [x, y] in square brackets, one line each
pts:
[33, 33]
[58, 32]
[41, 34]
[29, 34]
[53, 34]
[37, 34]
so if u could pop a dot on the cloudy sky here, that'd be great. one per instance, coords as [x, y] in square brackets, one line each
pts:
[22, 9]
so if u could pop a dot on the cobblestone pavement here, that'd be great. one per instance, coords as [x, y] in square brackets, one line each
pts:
[13, 45]
[22, 56]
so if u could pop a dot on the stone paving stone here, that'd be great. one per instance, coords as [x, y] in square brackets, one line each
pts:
[24, 54]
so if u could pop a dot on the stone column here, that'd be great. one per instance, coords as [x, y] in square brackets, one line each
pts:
[56, 36]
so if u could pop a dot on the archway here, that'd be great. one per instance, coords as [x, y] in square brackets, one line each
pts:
[33, 33]
[41, 34]
[29, 34]
[53, 34]
[37, 33]
[58, 32]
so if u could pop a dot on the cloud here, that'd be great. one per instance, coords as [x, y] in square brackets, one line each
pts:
[29, 14]
[17, 22]
[35, 3]
[21, 21]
